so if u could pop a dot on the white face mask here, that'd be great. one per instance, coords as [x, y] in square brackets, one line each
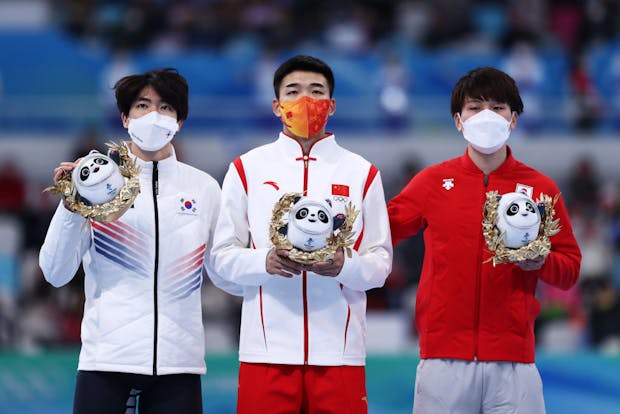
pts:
[486, 131]
[151, 132]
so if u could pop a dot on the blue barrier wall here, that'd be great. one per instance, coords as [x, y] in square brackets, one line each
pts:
[573, 384]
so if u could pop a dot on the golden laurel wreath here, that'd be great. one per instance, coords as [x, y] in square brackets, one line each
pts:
[342, 237]
[541, 246]
[113, 209]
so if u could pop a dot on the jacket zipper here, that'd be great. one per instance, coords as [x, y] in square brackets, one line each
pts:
[479, 281]
[155, 184]
[304, 274]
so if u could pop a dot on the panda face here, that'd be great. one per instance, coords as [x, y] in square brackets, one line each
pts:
[522, 213]
[95, 170]
[312, 218]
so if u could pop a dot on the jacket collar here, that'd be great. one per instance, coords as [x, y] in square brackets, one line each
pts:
[325, 148]
[507, 165]
[166, 165]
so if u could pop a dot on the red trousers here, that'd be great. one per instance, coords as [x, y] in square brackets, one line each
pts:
[292, 389]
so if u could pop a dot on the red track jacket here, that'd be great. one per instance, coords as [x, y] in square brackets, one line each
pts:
[466, 308]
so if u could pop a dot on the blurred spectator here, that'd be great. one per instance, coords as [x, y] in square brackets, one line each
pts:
[393, 92]
[524, 63]
[584, 186]
[566, 21]
[605, 318]
[614, 84]
[597, 253]
[349, 31]
[89, 139]
[120, 64]
[412, 20]
[586, 100]
[14, 187]
[562, 320]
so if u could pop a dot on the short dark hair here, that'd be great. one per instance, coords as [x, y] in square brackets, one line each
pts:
[168, 83]
[486, 83]
[303, 63]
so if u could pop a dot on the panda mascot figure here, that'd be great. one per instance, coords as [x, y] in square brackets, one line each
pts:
[310, 223]
[518, 219]
[97, 178]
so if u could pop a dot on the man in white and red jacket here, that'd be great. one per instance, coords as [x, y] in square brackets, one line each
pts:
[302, 343]
[475, 320]
[142, 331]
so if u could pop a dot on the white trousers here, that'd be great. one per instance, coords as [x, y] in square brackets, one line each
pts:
[450, 386]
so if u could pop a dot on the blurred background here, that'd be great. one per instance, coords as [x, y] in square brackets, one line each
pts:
[395, 64]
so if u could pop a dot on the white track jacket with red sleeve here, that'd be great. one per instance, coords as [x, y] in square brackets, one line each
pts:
[143, 272]
[307, 319]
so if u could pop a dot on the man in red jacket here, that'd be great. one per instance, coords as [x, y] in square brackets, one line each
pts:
[475, 320]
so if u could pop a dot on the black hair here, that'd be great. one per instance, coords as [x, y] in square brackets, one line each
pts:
[168, 83]
[486, 83]
[303, 63]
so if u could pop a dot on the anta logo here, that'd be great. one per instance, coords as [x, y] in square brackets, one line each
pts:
[273, 184]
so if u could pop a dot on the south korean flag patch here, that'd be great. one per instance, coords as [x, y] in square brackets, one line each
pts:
[188, 205]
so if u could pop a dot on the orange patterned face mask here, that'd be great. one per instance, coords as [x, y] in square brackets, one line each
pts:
[305, 117]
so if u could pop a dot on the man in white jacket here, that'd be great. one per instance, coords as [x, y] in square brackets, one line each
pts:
[302, 342]
[142, 332]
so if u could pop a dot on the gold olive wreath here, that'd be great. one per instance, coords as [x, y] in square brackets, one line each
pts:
[112, 209]
[342, 237]
[541, 246]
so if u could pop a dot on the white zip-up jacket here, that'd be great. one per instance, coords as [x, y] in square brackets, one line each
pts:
[143, 272]
[307, 319]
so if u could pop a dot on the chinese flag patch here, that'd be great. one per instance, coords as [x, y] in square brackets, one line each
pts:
[340, 189]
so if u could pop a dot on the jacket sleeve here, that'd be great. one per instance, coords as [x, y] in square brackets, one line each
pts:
[405, 210]
[561, 268]
[66, 242]
[232, 256]
[211, 221]
[371, 263]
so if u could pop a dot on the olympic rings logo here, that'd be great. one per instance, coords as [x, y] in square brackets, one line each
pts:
[340, 198]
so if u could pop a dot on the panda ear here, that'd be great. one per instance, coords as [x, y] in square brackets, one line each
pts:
[296, 199]
[339, 219]
[115, 156]
[283, 230]
[329, 202]
[541, 209]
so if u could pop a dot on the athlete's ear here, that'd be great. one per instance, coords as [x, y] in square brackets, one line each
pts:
[275, 106]
[514, 119]
[458, 123]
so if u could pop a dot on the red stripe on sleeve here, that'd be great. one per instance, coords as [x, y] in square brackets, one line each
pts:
[372, 173]
[241, 172]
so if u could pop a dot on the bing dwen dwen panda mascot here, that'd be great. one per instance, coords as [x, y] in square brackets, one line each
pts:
[310, 223]
[97, 178]
[518, 219]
